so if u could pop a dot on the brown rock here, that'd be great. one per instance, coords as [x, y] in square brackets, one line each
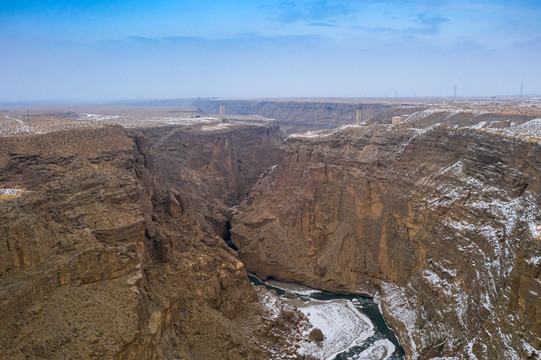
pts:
[405, 211]
[116, 253]
[316, 335]
[163, 249]
[290, 295]
[211, 240]
[174, 206]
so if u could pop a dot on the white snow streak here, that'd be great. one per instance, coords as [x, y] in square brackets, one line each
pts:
[11, 191]
[398, 305]
[379, 350]
[341, 323]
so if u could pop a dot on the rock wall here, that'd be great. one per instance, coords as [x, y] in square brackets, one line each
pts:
[211, 171]
[443, 222]
[107, 254]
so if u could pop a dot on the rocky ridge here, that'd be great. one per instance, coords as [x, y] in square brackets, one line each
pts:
[105, 254]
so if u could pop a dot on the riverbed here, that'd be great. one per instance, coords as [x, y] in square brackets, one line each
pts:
[352, 325]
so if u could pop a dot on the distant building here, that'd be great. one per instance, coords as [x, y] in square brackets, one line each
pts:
[396, 119]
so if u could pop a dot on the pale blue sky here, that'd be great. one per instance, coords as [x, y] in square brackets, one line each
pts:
[110, 50]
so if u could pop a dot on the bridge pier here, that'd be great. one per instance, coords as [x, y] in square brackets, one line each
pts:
[222, 112]
[358, 116]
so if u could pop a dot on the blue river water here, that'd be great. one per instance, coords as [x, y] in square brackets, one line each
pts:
[366, 306]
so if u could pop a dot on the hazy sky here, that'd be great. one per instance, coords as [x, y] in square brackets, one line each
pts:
[99, 50]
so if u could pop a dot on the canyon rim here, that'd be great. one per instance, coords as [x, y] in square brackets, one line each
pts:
[113, 226]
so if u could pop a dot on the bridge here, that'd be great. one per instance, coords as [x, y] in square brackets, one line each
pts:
[281, 122]
[258, 119]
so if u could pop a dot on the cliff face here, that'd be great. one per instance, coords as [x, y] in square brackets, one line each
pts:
[210, 171]
[444, 222]
[71, 246]
[108, 254]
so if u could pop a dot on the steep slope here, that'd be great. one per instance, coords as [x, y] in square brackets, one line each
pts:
[211, 168]
[100, 260]
[443, 222]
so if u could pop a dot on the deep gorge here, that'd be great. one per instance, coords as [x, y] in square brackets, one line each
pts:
[129, 225]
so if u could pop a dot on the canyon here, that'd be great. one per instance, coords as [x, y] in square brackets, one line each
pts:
[112, 245]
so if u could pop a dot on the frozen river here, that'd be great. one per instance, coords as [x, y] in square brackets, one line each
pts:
[352, 325]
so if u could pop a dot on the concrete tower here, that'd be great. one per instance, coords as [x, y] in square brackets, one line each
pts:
[358, 116]
[222, 112]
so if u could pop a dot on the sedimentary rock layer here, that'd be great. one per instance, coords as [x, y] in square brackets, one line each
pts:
[107, 252]
[443, 222]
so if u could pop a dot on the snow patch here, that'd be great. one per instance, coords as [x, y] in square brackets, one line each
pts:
[324, 132]
[20, 128]
[534, 261]
[291, 287]
[530, 349]
[528, 132]
[219, 126]
[453, 291]
[416, 133]
[11, 191]
[311, 134]
[398, 307]
[380, 350]
[272, 305]
[533, 126]
[535, 229]
[479, 125]
[469, 348]
[96, 117]
[457, 169]
[342, 325]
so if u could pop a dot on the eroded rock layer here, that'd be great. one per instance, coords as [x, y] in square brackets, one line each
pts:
[109, 250]
[443, 221]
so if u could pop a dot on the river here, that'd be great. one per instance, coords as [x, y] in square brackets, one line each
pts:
[353, 325]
